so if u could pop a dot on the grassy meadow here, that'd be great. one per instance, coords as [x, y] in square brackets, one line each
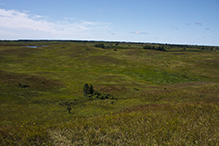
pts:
[160, 97]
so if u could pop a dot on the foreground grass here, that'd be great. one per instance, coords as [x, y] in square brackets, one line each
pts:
[179, 124]
[161, 98]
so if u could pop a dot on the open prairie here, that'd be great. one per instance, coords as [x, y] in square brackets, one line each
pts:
[156, 97]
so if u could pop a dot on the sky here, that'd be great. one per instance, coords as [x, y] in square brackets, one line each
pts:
[192, 22]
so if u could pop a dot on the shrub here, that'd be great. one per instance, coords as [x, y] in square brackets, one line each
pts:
[69, 109]
[147, 47]
[85, 89]
[99, 45]
[23, 86]
[160, 48]
[88, 89]
[91, 94]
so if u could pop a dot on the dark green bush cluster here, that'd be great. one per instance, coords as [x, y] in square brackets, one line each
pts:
[136, 89]
[206, 48]
[102, 46]
[23, 86]
[97, 95]
[159, 48]
[99, 45]
[91, 94]
[88, 89]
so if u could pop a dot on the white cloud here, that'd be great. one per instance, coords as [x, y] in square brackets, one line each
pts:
[66, 18]
[16, 24]
[139, 32]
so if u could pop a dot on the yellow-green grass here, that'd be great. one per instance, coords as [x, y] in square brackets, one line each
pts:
[160, 98]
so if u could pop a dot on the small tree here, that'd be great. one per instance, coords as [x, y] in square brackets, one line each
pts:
[90, 89]
[69, 109]
[146, 47]
[85, 89]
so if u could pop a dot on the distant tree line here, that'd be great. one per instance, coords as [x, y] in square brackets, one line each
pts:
[100, 44]
[103, 46]
[157, 48]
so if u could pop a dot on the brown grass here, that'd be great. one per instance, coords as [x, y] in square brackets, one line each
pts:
[34, 82]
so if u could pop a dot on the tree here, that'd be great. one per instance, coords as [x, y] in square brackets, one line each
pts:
[85, 89]
[146, 47]
[69, 109]
[88, 89]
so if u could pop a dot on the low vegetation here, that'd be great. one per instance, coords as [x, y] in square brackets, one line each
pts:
[158, 48]
[91, 94]
[138, 94]
[100, 46]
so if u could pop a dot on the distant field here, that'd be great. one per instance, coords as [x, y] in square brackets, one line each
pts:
[166, 97]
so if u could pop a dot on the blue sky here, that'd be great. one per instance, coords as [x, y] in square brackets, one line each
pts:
[193, 22]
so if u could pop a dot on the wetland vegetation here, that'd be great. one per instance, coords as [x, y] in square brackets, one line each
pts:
[108, 93]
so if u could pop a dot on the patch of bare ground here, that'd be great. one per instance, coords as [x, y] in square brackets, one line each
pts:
[110, 88]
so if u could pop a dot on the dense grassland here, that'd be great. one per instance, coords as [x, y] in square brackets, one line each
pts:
[160, 97]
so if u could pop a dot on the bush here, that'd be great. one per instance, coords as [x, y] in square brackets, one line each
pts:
[69, 109]
[160, 48]
[85, 89]
[88, 89]
[99, 45]
[91, 94]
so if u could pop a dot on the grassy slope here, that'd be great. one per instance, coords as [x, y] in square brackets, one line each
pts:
[177, 101]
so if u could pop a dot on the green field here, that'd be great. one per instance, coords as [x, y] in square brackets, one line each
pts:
[159, 97]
